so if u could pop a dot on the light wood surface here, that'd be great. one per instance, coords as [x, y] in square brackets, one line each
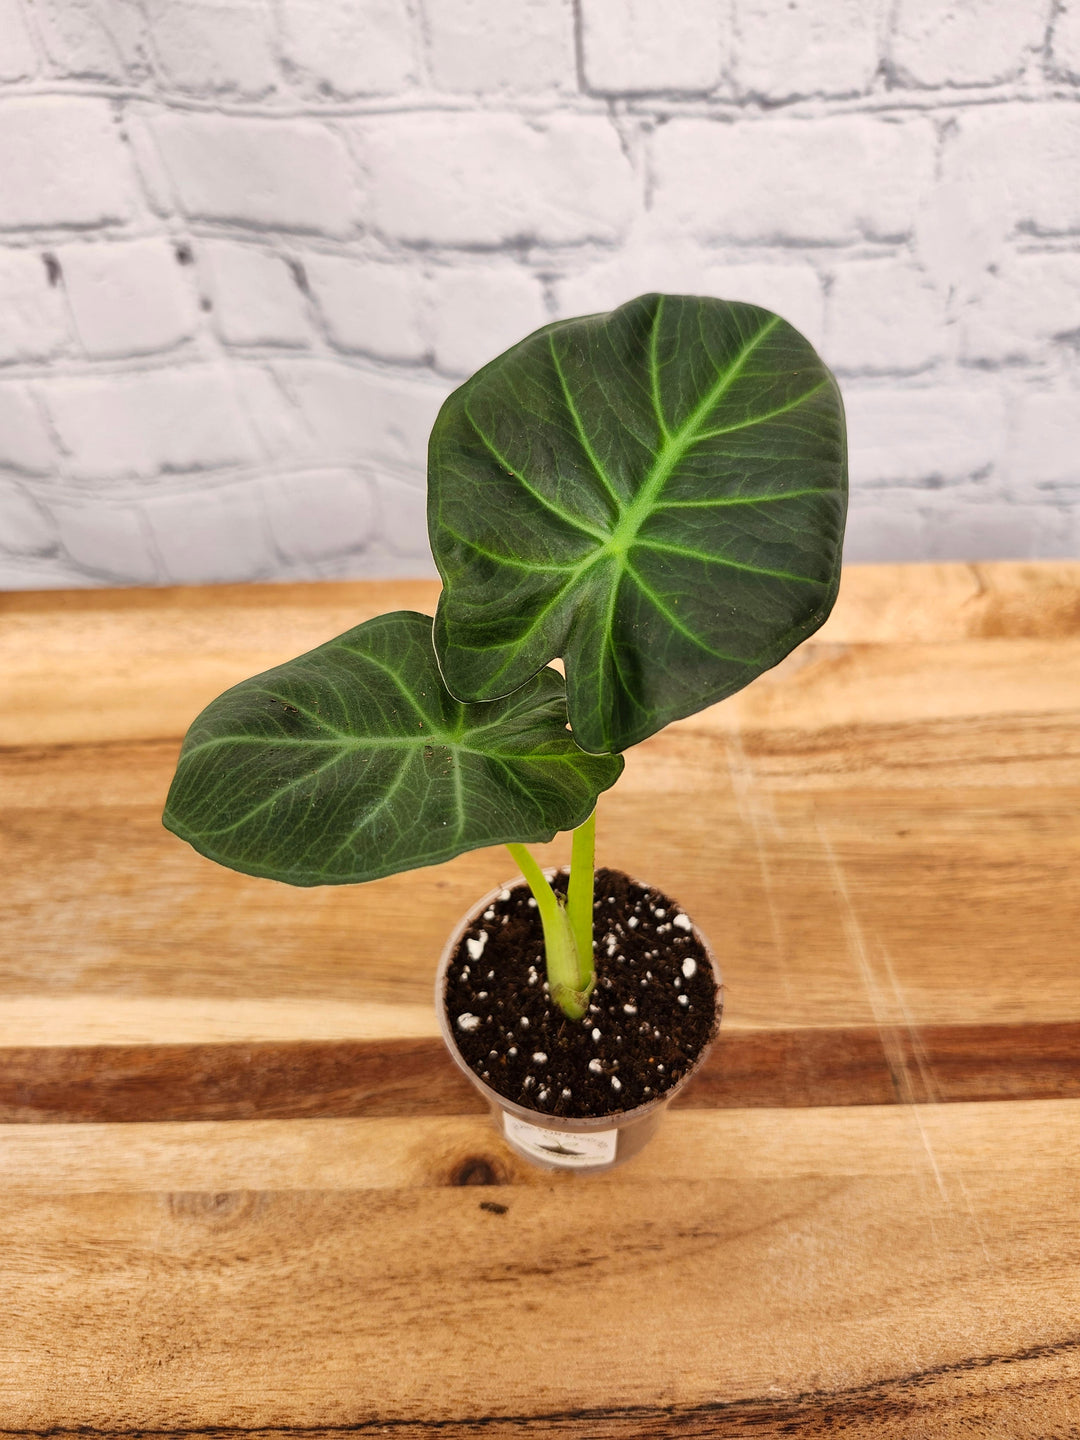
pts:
[241, 1188]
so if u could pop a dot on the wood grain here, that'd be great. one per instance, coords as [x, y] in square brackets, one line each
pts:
[243, 1192]
[850, 831]
[866, 1065]
[768, 1268]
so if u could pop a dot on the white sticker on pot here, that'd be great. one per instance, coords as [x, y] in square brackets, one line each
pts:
[561, 1147]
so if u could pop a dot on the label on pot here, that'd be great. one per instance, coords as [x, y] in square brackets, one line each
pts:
[561, 1147]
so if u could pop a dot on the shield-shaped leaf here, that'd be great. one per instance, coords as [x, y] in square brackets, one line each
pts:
[656, 494]
[353, 761]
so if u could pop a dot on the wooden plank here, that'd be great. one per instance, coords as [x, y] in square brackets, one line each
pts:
[870, 1065]
[87, 665]
[867, 1272]
[845, 877]
[445, 1152]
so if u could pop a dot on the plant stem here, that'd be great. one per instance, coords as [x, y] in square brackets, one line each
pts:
[563, 965]
[579, 899]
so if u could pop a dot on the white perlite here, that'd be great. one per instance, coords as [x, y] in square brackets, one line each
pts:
[476, 947]
[682, 922]
[689, 966]
[468, 1022]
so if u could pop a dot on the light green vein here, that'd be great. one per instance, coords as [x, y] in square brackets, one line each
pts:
[677, 624]
[311, 715]
[510, 560]
[572, 520]
[365, 823]
[277, 795]
[654, 370]
[719, 502]
[706, 559]
[761, 419]
[586, 443]
[393, 675]
[684, 437]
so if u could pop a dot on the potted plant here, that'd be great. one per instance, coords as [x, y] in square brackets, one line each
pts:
[657, 497]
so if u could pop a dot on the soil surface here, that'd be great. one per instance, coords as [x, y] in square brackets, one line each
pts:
[650, 1016]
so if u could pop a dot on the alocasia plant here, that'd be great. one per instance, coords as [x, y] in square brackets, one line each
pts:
[657, 496]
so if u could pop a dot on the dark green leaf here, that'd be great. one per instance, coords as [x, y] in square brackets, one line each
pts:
[656, 494]
[353, 761]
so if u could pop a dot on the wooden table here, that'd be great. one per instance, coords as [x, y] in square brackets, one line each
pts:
[243, 1191]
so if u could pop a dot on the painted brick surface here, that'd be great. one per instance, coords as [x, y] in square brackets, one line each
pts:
[965, 42]
[63, 164]
[247, 247]
[496, 179]
[774, 180]
[264, 174]
[636, 47]
[1065, 48]
[480, 46]
[33, 315]
[129, 298]
[792, 48]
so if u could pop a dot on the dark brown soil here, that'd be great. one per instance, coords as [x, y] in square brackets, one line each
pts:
[652, 1013]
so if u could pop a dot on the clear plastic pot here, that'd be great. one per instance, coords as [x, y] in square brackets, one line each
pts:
[555, 1142]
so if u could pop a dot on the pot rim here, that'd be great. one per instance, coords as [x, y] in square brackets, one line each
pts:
[616, 1119]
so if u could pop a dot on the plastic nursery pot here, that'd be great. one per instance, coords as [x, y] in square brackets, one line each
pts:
[587, 1145]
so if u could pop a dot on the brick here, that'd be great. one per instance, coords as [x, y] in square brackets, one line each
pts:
[292, 174]
[353, 414]
[218, 535]
[882, 316]
[25, 528]
[1044, 441]
[331, 512]
[276, 419]
[33, 323]
[403, 522]
[1065, 45]
[788, 48]
[255, 296]
[996, 168]
[94, 39]
[826, 180]
[147, 423]
[485, 179]
[922, 437]
[214, 47]
[62, 163]
[478, 312]
[885, 525]
[485, 45]
[128, 298]
[367, 307]
[987, 529]
[348, 47]
[1023, 307]
[108, 540]
[25, 444]
[793, 290]
[18, 59]
[966, 42]
[636, 47]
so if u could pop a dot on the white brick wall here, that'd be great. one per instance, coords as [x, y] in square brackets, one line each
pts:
[248, 246]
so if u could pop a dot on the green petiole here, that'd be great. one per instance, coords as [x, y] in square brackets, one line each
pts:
[567, 927]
